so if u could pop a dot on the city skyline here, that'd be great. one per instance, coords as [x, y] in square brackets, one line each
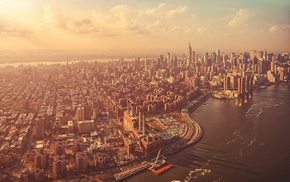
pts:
[145, 26]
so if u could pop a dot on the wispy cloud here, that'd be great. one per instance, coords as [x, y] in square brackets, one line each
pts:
[13, 29]
[125, 21]
[161, 12]
[278, 28]
[56, 17]
[119, 20]
[240, 18]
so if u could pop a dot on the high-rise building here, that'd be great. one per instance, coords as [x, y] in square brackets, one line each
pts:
[193, 56]
[271, 77]
[265, 56]
[80, 114]
[233, 82]
[39, 128]
[243, 85]
[87, 112]
[252, 54]
[59, 167]
[240, 84]
[205, 57]
[161, 59]
[259, 54]
[146, 64]
[40, 160]
[247, 83]
[273, 67]
[81, 162]
[282, 73]
[86, 126]
[59, 148]
[226, 83]
[189, 56]
[262, 66]
[218, 56]
[213, 58]
[168, 60]
[79, 145]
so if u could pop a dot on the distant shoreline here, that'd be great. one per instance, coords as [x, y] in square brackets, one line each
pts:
[63, 62]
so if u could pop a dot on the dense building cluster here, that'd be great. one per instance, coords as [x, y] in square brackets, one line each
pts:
[64, 121]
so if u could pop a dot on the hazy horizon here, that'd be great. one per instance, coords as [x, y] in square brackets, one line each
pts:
[144, 26]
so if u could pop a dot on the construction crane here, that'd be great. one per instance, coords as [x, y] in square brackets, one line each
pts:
[156, 159]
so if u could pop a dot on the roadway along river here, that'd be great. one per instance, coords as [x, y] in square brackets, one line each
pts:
[240, 143]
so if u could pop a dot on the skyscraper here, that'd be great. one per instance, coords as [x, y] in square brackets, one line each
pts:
[39, 128]
[193, 57]
[168, 60]
[265, 55]
[226, 83]
[146, 64]
[218, 56]
[262, 66]
[189, 56]
[213, 58]
[80, 114]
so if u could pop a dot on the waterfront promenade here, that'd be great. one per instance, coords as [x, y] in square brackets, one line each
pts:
[194, 133]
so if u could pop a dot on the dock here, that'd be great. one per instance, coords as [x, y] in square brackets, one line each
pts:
[122, 175]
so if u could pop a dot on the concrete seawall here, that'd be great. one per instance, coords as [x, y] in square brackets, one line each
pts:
[196, 134]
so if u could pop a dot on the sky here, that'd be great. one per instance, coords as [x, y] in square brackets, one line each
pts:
[139, 25]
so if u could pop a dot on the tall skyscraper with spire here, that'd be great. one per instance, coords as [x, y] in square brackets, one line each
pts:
[189, 56]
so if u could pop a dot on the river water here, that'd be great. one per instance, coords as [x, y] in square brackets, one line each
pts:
[248, 142]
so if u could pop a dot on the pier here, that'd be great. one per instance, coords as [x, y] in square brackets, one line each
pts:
[122, 175]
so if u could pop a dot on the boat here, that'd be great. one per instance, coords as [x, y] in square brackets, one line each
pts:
[161, 167]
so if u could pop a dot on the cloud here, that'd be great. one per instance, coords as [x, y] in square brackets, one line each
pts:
[279, 28]
[159, 11]
[13, 29]
[121, 11]
[202, 30]
[239, 18]
[56, 17]
[117, 21]
[187, 31]
[157, 26]
[82, 26]
[120, 19]
[125, 22]
[273, 28]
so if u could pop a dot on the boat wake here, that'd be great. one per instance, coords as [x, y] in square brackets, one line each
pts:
[237, 133]
[193, 174]
[257, 109]
[252, 142]
[238, 137]
[196, 173]
[254, 112]
[249, 138]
